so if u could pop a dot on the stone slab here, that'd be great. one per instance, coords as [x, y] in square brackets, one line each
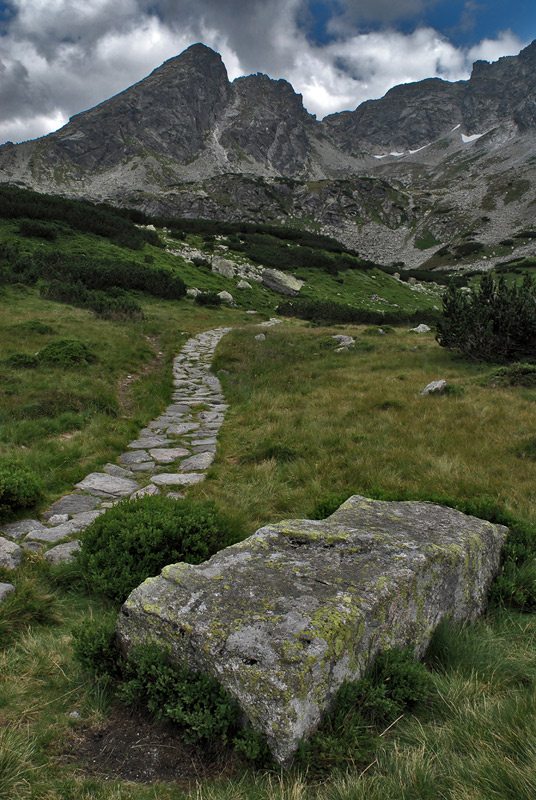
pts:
[17, 530]
[147, 491]
[283, 618]
[199, 461]
[58, 519]
[72, 504]
[177, 479]
[117, 472]
[182, 427]
[148, 441]
[104, 485]
[136, 457]
[52, 535]
[145, 466]
[168, 455]
[62, 553]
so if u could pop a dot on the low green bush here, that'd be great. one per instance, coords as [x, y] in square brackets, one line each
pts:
[208, 299]
[39, 229]
[66, 353]
[34, 326]
[95, 649]
[518, 374]
[22, 361]
[137, 538]
[32, 603]
[19, 488]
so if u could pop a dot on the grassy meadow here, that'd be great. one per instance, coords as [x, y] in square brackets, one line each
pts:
[306, 428]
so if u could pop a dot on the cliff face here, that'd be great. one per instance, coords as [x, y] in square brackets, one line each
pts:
[185, 140]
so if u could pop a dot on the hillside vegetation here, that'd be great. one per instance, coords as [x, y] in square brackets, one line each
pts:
[306, 428]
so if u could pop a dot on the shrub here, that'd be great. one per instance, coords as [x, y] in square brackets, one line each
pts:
[34, 326]
[66, 353]
[208, 299]
[134, 540]
[19, 488]
[518, 374]
[494, 322]
[95, 649]
[22, 361]
[38, 229]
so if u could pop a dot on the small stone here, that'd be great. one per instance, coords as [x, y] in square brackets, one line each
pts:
[74, 715]
[260, 337]
[51, 535]
[63, 553]
[435, 387]
[176, 479]
[58, 519]
[175, 496]
[33, 547]
[10, 554]
[422, 328]
[81, 521]
[243, 285]
[344, 341]
[226, 297]
[251, 312]
[5, 590]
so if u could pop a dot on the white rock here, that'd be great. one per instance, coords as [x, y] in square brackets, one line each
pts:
[10, 554]
[435, 387]
[422, 328]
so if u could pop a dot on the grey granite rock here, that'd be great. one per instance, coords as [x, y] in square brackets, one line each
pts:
[177, 479]
[117, 472]
[51, 535]
[5, 590]
[58, 519]
[17, 530]
[136, 457]
[435, 387]
[169, 455]
[148, 441]
[72, 504]
[145, 466]
[62, 553]
[104, 485]
[10, 554]
[197, 462]
[284, 617]
[146, 491]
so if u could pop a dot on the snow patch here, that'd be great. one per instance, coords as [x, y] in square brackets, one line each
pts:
[471, 138]
[418, 150]
[456, 127]
[385, 155]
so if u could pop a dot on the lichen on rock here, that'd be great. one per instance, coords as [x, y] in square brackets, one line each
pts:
[284, 617]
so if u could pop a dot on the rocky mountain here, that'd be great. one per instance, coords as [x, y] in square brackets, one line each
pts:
[410, 178]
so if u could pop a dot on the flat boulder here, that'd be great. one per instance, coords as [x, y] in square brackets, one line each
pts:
[104, 485]
[281, 282]
[283, 618]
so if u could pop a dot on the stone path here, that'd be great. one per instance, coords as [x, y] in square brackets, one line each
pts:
[172, 452]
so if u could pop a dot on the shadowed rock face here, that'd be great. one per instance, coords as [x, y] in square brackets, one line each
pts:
[284, 617]
[169, 113]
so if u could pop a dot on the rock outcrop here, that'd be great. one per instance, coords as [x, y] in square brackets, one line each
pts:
[284, 617]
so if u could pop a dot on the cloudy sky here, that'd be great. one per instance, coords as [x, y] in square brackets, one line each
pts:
[59, 57]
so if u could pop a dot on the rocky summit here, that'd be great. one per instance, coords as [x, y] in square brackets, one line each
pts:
[284, 617]
[400, 179]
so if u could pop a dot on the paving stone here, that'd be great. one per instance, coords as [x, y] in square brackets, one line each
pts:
[209, 439]
[17, 530]
[58, 519]
[85, 518]
[106, 486]
[167, 456]
[177, 479]
[145, 466]
[52, 535]
[5, 590]
[199, 461]
[205, 448]
[148, 441]
[136, 457]
[117, 472]
[177, 430]
[72, 504]
[63, 553]
[10, 554]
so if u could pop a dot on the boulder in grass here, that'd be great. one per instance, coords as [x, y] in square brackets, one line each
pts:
[435, 387]
[283, 618]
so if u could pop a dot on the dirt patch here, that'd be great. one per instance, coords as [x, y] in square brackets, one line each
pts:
[130, 747]
[124, 385]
